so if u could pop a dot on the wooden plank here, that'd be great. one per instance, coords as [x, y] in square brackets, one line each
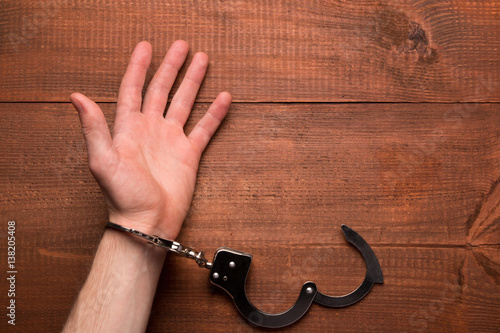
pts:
[431, 290]
[397, 169]
[417, 181]
[425, 289]
[315, 51]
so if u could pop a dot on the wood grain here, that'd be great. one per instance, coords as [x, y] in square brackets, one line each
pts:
[261, 51]
[418, 181]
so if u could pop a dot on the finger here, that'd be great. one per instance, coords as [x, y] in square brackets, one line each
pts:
[156, 96]
[129, 97]
[206, 127]
[95, 130]
[183, 100]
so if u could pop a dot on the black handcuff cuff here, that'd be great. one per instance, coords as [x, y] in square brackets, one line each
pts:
[230, 268]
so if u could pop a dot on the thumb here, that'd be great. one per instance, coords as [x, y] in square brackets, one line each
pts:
[95, 131]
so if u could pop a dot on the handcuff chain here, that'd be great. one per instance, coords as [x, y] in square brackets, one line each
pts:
[188, 252]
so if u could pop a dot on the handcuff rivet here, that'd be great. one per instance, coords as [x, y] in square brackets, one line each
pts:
[224, 278]
[309, 290]
[232, 264]
[215, 275]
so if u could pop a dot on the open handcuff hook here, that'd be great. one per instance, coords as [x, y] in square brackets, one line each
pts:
[230, 269]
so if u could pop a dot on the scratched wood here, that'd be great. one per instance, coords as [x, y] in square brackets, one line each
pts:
[418, 181]
[329, 51]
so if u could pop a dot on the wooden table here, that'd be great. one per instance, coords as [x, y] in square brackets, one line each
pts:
[383, 116]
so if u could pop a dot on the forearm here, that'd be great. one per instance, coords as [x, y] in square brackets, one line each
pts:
[120, 288]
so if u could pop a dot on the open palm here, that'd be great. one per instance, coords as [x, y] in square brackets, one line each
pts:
[147, 170]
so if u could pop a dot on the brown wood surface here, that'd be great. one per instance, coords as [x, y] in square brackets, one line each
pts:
[418, 181]
[261, 50]
[321, 134]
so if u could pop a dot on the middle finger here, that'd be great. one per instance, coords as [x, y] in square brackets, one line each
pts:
[156, 96]
[183, 100]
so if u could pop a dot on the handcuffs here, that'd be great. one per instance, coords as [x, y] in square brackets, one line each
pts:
[229, 271]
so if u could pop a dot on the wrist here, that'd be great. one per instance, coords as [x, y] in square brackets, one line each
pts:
[149, 225]
[138, 251]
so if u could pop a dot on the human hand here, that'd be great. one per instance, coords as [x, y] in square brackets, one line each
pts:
[147, 170]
